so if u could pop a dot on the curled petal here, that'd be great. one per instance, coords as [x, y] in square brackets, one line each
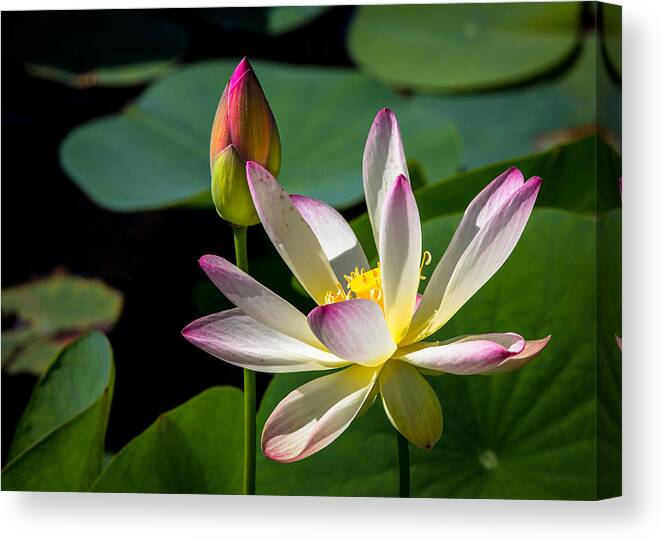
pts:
[353, 330]
[290, 234]
[240, 340]
[466, 355]
[383, 162]
[335, 235]
[410, 404]
[257, 301]
[530, 351]
[314, 415]
[484, 240]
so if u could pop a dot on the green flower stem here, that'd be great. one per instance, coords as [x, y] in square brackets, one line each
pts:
[404, 467]
[249, 389]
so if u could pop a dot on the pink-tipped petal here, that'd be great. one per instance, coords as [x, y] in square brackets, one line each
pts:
[470, 264]
[410, 404]
[400, 250]
[249, 115]
[257, 301]
[477, 214]
[353, 330]
[239, 71]
[240, 340]
[335, 235]
[530, 351]
[467, 355]
[383, 162]
[314, 415]
[290, 234]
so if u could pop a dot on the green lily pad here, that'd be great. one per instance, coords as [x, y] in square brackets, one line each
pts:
[108, 48]
[528, 434]
[499, 124]
[194, 448]
[273, 20]
[50, 314]
[58, 444]
[155, 153]
[456, 47]
[284, 19]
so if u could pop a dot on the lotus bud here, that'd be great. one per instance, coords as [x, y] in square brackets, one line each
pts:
[243, 130]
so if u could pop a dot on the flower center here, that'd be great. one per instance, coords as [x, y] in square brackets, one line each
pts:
[366, 284]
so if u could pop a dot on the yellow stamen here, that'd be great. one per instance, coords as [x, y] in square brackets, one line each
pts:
[426, 259]
[366, 284]
[338, 296]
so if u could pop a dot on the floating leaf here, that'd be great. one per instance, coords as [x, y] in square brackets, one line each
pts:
[462, 46]
[109, 48]
[194, 448]
[58, 444]
[499, 124]
[50, 313]
[155, 153]
[284, 19]
[274, 20]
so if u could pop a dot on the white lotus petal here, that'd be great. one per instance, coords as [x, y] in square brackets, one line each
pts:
[290, 234]
[335, 235]
[257, 301]
[240, 340]
[353, 330]
[410, 404]
[400, 252]
[383, 161]
[314, 415]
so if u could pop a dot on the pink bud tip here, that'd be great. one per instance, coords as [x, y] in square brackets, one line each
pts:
[241, 69]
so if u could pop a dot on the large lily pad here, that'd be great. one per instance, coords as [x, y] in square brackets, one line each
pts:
[463, 46]
[195, 448]
[271, 20]
[284, 19]
[110, 48]
[499, 124]
[50, 313]
[155, 153]
[58, 444]
[528, 434]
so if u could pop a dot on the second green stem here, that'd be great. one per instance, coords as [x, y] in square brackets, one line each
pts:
[249, 387]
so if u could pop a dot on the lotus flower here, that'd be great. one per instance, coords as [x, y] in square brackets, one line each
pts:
[370, 324]
[243, 130]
